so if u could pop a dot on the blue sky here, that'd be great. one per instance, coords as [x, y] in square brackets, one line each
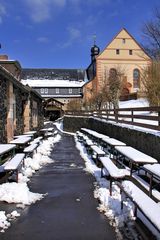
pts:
[59, 33]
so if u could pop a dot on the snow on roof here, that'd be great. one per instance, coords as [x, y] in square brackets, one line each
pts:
[52, 83]
[60, 96]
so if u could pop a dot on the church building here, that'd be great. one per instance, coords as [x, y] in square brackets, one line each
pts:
[122, 54]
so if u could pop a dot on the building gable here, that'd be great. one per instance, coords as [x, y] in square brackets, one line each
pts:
[123, 47]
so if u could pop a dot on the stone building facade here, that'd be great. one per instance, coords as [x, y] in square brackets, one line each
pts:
[15, 99]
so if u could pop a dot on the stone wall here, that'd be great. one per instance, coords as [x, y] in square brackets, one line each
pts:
[13, 117]
[40, 119]
[3, 110]
[19, 112]
[143, 141]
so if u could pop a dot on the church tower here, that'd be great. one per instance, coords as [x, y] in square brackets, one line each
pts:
[94, 52]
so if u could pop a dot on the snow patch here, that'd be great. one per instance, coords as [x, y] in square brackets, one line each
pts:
[19, 193]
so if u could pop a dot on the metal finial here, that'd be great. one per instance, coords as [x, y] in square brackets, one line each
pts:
[94, 38]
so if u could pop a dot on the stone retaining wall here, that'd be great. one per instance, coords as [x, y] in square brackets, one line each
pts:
[143, 141]
[3, 110]
[19, 112]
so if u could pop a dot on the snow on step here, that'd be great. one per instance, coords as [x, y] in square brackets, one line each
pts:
[146, 204]
[30, 148]
[94, 133]
[13, 163]
[135, 155]
[113, 142]
[36, 140]
[112, 168]
[21, 140]
[30, 132]
[155, 168]
[97, 150]
[89, 142]
[6, 147]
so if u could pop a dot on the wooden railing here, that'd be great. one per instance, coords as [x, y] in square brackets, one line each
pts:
[146, 117]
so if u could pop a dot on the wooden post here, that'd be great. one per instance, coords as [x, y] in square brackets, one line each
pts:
[135, 211]
[150, 185]
[121, 199]
[131, 166]
[158, 119]
[17, 175]
[101, 172]
[116, 115]
[110, 187]
[107, 113]
[132, 116]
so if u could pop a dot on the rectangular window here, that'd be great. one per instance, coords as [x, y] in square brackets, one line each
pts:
[46, 90]
[70, 90]
[117, 51]
[57, 90]
[130, 52]
[42, 90]
[123, 40]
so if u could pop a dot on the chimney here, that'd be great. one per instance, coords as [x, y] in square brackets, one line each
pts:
[3, 57]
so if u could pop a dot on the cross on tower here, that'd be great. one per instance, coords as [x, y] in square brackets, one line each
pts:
[94, 38]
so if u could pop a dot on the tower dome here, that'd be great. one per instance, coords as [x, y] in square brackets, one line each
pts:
[94, 52]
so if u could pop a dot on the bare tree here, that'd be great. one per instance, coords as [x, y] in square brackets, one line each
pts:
[109, 90]
[151, 32]
[99, 99]
[74, 105]
[151, 81]
[114, 86]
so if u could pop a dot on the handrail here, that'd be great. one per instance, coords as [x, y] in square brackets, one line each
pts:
[147, 117]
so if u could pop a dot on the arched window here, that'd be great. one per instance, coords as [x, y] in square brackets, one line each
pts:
[136, 78]
[112, 73]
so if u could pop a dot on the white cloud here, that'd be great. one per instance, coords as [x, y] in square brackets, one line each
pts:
[42, 10]
[96, 2]
[88, 2]
[74, 35]
[2, 12]
[43, 39]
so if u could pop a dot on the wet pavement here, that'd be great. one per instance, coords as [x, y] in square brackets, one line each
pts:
[69, 211]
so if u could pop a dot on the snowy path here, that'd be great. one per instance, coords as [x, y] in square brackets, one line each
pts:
[69, 210]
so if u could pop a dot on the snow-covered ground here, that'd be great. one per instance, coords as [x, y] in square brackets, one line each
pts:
[141, 102]
[19, 193]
